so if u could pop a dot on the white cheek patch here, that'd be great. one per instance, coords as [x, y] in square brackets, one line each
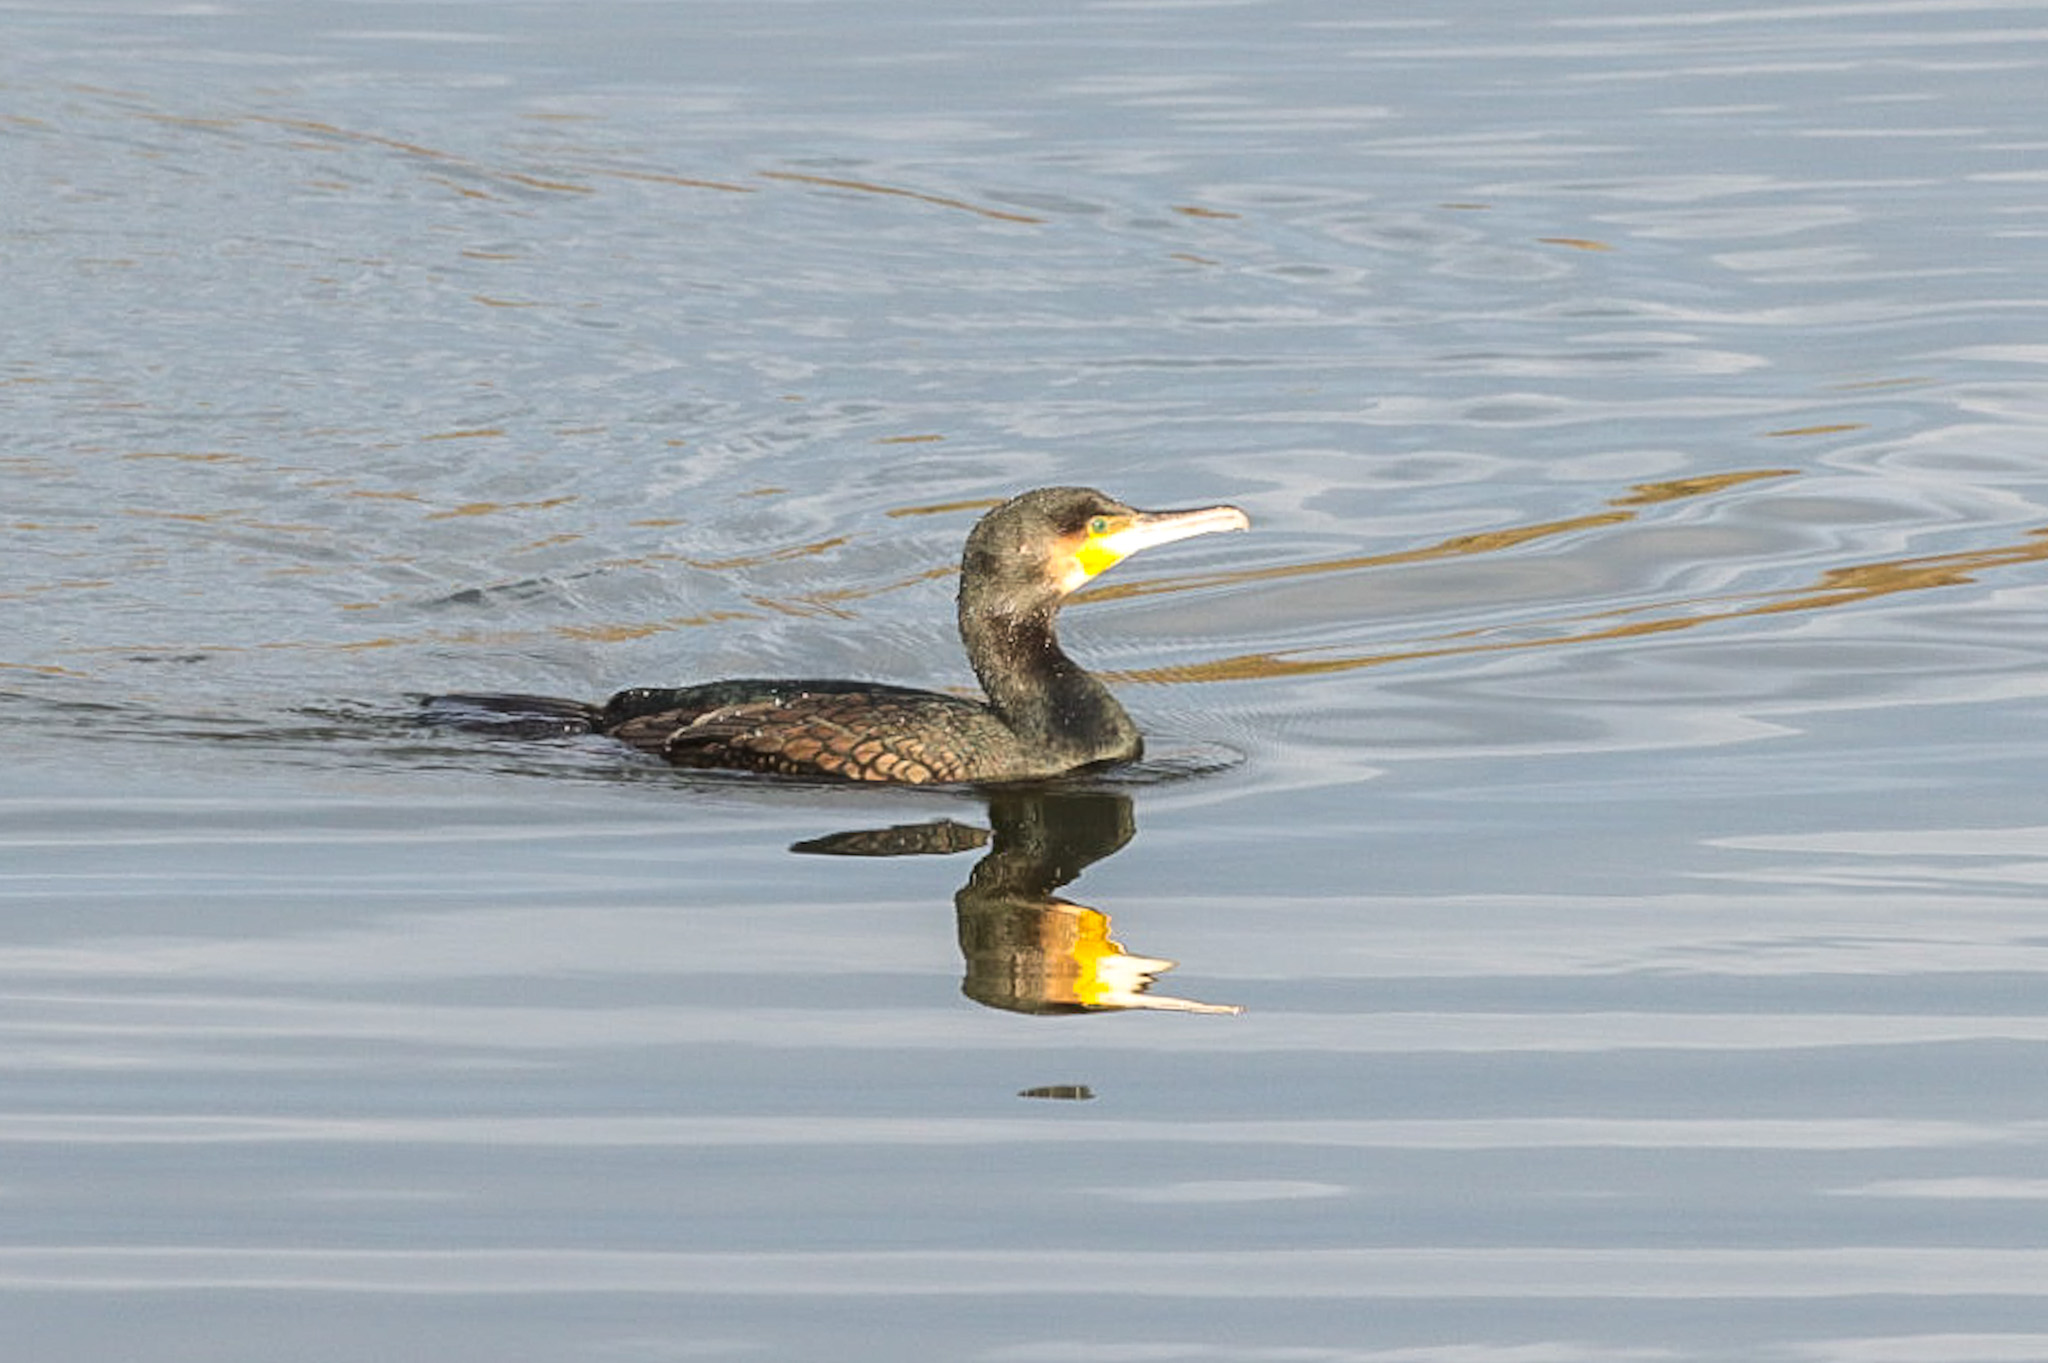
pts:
[1072, 575]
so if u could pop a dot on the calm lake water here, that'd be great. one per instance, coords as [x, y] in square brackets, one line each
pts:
[1609, 778]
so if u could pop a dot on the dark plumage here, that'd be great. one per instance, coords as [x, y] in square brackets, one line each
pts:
[1044, 715]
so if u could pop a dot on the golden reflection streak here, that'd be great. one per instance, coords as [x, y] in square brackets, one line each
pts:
[1835, 428]
[800, 607]
[448, 182]
[719, 565]
[664, 178]
[493, 508]
[226, 515]
[192, 456]
[43, 670]
[69, 584]
[947, 508]
[1866, 385]
[1836, 587]
[836, 594]
[613, 634]
[324, 129]
[547, 542]
[1482, 542]
[1675, 489]
[416, 149]
[829, 601]
[864, 187]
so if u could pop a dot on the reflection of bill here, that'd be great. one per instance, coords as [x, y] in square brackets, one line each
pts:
[1057, 957]
[1026, 950]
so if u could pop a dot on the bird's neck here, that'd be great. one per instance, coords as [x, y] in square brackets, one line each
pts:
[1050, 700]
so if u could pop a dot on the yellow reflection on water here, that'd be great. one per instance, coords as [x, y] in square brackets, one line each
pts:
[947, 508]
[896, 191]
[495, 508]
[334, 132]
[663, 178]
[1834, 428]
[1457, 546]
[787, 552]
[1835, 587]
[619, 633]
[1675, 489]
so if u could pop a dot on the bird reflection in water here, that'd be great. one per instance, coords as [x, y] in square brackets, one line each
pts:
[1026, 949]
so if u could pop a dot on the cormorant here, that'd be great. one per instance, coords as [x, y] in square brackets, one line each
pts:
[1044, 715]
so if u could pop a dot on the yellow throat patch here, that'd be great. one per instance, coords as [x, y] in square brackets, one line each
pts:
[1096, 558]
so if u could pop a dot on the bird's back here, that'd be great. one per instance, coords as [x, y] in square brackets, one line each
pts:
[862, 731]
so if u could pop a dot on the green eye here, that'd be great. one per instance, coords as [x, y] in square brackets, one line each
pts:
[1099, 526]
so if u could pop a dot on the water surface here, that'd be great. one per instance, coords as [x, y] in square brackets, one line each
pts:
[1606, 779]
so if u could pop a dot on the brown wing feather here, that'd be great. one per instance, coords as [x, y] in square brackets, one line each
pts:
[861, 736]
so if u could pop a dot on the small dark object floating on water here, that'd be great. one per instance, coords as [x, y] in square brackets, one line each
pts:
[1045, 715]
